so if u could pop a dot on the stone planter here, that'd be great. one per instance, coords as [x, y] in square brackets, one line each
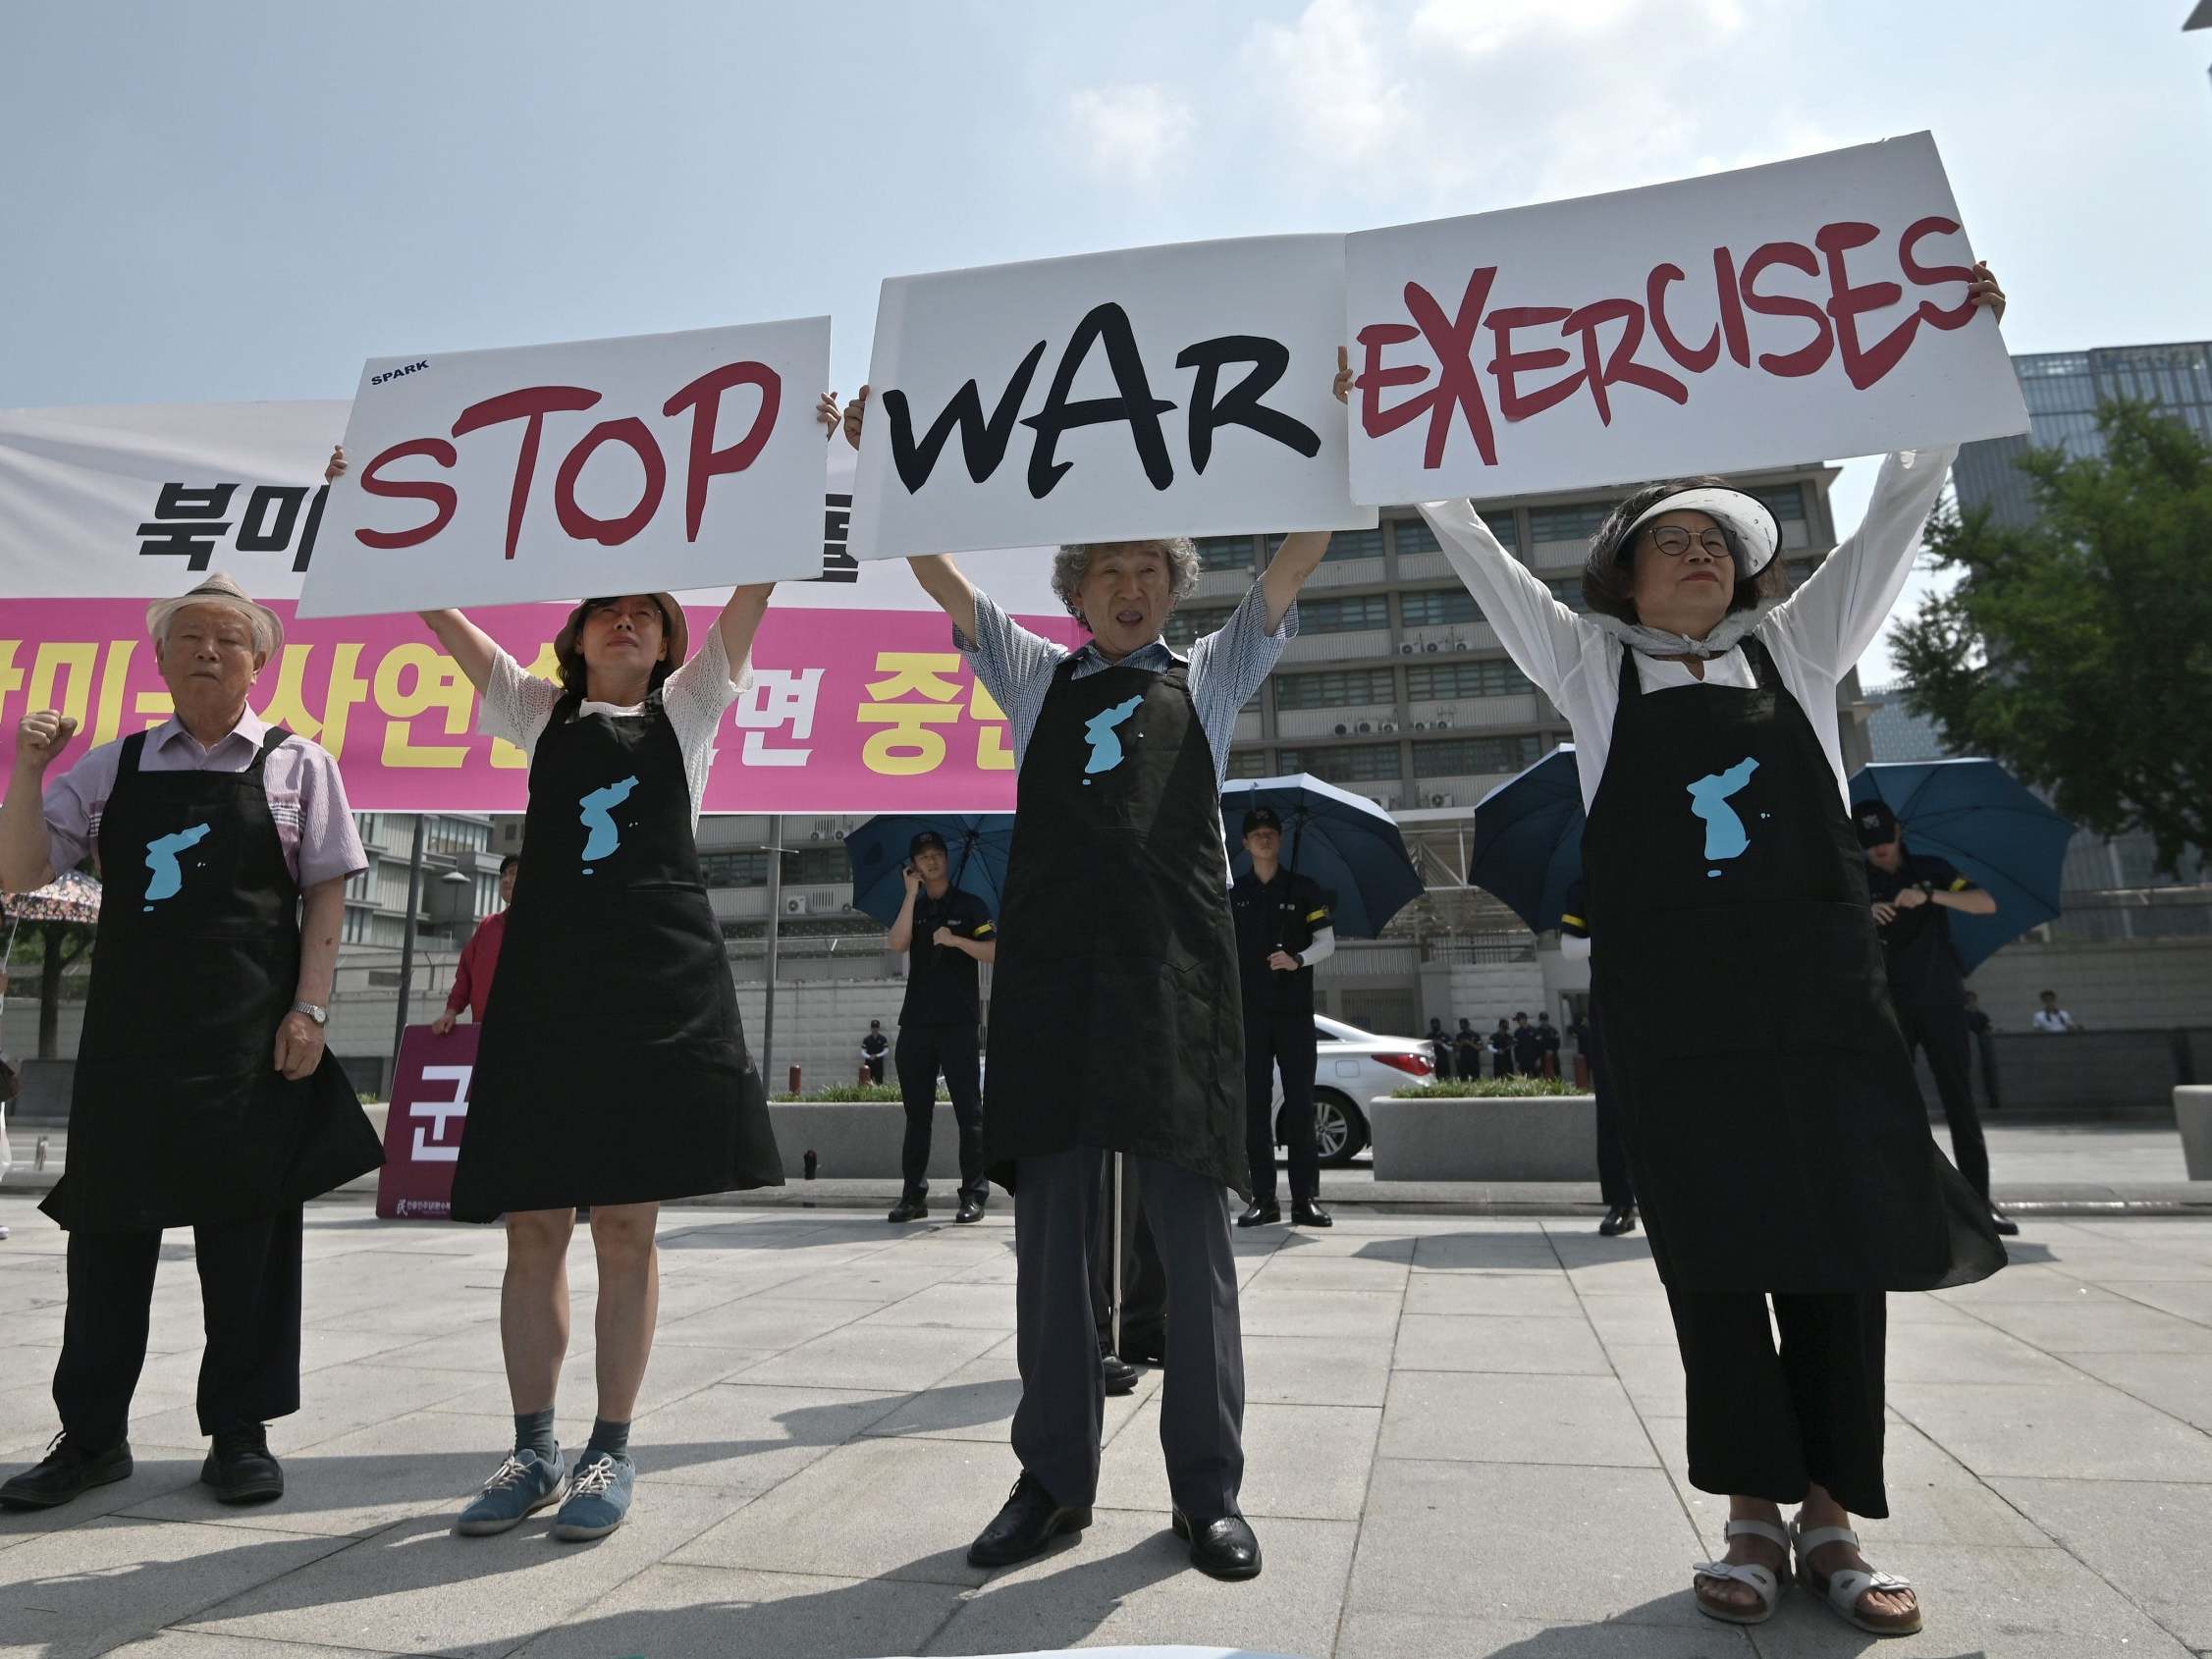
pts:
[1541, 1137]
[2192, 1116]
[860, 1139]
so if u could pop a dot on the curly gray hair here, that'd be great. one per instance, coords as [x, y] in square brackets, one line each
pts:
[1074, 562]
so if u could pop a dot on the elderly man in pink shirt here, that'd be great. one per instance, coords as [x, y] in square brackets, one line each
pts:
[204, 1095]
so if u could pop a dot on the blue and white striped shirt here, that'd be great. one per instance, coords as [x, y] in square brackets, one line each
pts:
[1226, 666]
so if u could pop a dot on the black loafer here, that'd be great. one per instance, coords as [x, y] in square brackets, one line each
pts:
[1259, 1215]
[240, 1468]
[1621, 1218]
[971, 1208]
[68, 1471]
[2004, 1223]
[1031, 1520]
[1306, 1213]
[1120, 1375]
[1221, 1549]
[912, 1207]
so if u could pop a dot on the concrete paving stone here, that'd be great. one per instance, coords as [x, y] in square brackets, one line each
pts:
[1651, 1373]
[2097, 1262]
[1979, 1599]
[748, 1439]
[2147, 1539]
[714, 1612]
[1436, 1342]
[1378, 1239]
[977, 1403]
[322, 1347]
[473, 1346]
[675, 1371]
[1308, 1461]
[92, 1587]
[155, 1471]
[1318, 1370]
[873, 1281]
[1300, 1272]
[1546, 1295]
[2022, 1281]
[189, 1644]
[331, 1403]
[1971, 1353]
[1934, 1499]
[2186, 1299]
[874, 1509]
[1521, 1248]
[969, 1306]
[1360, 1316]
[415, 1587]
[2179, 1384]
[1493, 1417]
[762, 1323]
[2082, 1430]
[1918, 1308]
[2114, 1327]
[1549, 1543]
[1370, 1633]
[1128, 1581]
[1640, 1318]
[903, 1357]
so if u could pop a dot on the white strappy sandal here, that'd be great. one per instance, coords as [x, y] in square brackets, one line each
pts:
[1763, 1580]
[1843, 1590]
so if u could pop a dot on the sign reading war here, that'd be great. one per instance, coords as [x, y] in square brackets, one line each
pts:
[1807, 310]
[657, 463]
[1152, 392]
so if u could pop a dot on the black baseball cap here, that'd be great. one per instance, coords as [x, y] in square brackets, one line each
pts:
[1877, 825]
[1263, 818]
[923, 840]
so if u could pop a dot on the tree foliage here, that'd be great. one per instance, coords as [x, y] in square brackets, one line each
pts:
[2078, 650]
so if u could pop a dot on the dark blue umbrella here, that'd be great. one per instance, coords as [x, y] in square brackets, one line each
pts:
[1529, 839]
[975, 843]
[1344, 841]
[1986, 822]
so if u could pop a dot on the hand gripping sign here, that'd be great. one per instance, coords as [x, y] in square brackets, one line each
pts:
[1777, 314]
[657, 463]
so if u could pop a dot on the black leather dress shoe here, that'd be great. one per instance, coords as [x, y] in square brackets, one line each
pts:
[1308, 1213]
[1259, 1213]
[2004, 1223]
[971, 1208]
[67, 1471]
[1120, 1375]
[911, 1207]
[240, 1469]
[1621, 1218]
[1031, 1520]
[1221, 1549]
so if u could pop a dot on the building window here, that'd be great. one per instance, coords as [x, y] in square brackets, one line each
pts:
[1413, 535]
[1335, 689]
[1493, 678]
[1346, 762]
[1475, 757]
[733, 869]
[1785, 501]
[1248, 763]
[1354, 544]
[357, 923]
[1435, 607]
[1343, 615]
[816, 867]
[1504, 524]
[1224, 553]
[1569, 592]
[1185, 626]
[1576, 522]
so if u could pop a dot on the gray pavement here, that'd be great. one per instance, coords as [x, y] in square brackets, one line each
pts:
[1465, 1437]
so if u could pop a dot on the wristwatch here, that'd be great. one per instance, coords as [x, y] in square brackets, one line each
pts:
[321, 1016]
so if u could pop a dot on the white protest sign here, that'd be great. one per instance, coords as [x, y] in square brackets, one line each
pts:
[1807, 309]
[1150, 391]
[659, 461]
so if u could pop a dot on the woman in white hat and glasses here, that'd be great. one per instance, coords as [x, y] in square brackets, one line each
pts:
[613, 1071]
[1781, 1150]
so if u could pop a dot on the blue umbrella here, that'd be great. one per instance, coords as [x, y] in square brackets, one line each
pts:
[1344, 841]
[1529, 839]
[977, 844]
[1986, 822]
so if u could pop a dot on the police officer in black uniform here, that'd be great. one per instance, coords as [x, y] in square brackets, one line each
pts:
[1528, 1047]
[1282, 930]
[1468, 1046]
[950, 933]
[873, 1047]
[1926, 981]
[1615, 1186]
[1441, 1048]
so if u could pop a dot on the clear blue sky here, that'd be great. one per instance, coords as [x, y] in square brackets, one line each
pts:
[227, 200]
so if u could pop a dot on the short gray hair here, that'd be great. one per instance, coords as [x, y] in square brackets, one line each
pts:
[256, 619]
[1074, 562]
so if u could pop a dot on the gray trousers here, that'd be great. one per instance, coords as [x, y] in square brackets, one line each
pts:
[1056, 1426]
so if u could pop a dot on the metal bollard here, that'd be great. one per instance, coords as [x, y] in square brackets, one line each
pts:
[38, 1156]
[812, 1163]
[795, 1089]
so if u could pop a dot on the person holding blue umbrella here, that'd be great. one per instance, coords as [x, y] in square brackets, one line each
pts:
[1283, 933]
[1783, 1163]
[1911, 893]
[951, 933]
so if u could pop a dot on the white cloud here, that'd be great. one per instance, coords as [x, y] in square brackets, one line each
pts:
[1330, 79]
[1129, 132]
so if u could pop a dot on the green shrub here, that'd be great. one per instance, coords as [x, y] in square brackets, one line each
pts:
[1487, 1089]
[841, 1093]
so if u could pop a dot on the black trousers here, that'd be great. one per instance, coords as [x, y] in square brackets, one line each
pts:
[1286, 1041]
[1768, 1423]
[922, 1052]
[1144, 1279]
[249, 1297]
[1988, 1055]
[874, 1065]
[1057, 1345]
[1939, 1031]
[1614, 1184]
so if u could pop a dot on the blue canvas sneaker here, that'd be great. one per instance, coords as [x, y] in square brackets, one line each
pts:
[599, 1496]
[523, 1485]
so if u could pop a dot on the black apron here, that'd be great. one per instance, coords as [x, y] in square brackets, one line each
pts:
[613, 1067]
[1116, 1021]
[1772, 1116]
[179, 1116]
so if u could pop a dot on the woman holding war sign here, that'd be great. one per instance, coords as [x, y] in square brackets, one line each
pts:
[615, 1073]
[1739, 944]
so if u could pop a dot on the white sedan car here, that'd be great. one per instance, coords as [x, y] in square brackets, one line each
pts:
[1351, 1067]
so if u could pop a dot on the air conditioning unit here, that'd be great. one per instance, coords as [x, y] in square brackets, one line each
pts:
[795, 904]
[1407, 649]
[824, 903]
[1443, 798]
[1389, 726]
[1440, 722]
[1341, 730]
[1365, 728]
[1430, 646]
[1421, 725]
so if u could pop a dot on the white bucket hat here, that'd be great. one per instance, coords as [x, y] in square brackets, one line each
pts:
[1745, 517]
[220, 588]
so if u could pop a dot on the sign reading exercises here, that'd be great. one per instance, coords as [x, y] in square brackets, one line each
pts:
[1153, 392]
[661, 461]
[1785, 313]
